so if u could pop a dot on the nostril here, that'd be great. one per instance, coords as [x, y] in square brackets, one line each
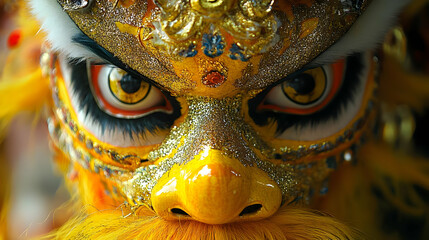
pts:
[179, 212]
[251, 209]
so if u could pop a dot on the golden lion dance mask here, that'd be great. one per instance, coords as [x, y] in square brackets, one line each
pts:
[211, 114]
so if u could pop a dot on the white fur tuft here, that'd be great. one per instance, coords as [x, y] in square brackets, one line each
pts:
[60, 29]
[366, 33]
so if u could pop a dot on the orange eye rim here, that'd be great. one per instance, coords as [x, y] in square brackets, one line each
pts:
[93, 73]
[338, 69]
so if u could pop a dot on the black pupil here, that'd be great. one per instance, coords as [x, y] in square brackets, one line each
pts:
[303, 84]
[130, 84]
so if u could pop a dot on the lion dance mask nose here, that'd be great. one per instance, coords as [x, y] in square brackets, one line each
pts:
[218, 180]
[216, 189]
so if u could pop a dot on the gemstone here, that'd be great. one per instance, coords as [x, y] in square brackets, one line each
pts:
[214, 79]
[97, 149]
[89, 144]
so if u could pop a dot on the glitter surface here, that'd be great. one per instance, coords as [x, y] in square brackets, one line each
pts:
[303, 30]
[209, 124]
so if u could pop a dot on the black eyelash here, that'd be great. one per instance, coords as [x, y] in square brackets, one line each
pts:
[91, 45]
[150, 123]
[343, 98]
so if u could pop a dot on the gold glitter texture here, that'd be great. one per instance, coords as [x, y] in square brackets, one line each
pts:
[134, 33]
[278, 37]
[209, 123]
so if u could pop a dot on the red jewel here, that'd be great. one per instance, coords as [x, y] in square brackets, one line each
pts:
[214, 79]
[14, 38]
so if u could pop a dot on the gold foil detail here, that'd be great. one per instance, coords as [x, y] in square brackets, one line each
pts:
[308, 26]
[144, 35]
[212, 8]
[180, 24]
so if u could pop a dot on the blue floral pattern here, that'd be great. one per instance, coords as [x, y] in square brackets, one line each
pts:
[213, 45]
[190, 52]
[237, 53]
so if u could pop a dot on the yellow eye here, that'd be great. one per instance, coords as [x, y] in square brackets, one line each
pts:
[121, 95]
[307, 92]
[126, 88]
[306, 88]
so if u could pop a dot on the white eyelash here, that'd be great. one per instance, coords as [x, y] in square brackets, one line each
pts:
[366, 33]
[115, 136]
[60, 29]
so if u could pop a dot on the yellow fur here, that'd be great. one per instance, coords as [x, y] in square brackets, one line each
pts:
[288, 223]
[351, 193]
[398, 86]
[100, 218]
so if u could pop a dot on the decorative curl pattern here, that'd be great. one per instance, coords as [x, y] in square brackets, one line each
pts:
[181, 24]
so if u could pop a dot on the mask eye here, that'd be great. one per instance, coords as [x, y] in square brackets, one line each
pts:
[306, 92]
[126, 88]
[120, 94]
[118, 107]
[306, 88]
[316, 103]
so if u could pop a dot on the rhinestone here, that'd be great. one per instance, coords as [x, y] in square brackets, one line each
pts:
[214, 79]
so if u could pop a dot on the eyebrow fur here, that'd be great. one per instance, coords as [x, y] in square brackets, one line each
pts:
[365, 34]
[60, 29]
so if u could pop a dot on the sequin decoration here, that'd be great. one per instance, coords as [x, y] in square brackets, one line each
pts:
[209, 123]
[200, 129]
[63, 114]
[188, 52]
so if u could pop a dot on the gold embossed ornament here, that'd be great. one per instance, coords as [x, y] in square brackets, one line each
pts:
[264, 36]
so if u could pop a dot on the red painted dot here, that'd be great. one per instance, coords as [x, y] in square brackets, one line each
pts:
[214, 79]
[14, 38]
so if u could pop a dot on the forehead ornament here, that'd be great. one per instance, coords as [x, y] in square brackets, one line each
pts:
[214, 79]
[179, 26]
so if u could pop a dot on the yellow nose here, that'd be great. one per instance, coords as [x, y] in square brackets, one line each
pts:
[215, 189]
